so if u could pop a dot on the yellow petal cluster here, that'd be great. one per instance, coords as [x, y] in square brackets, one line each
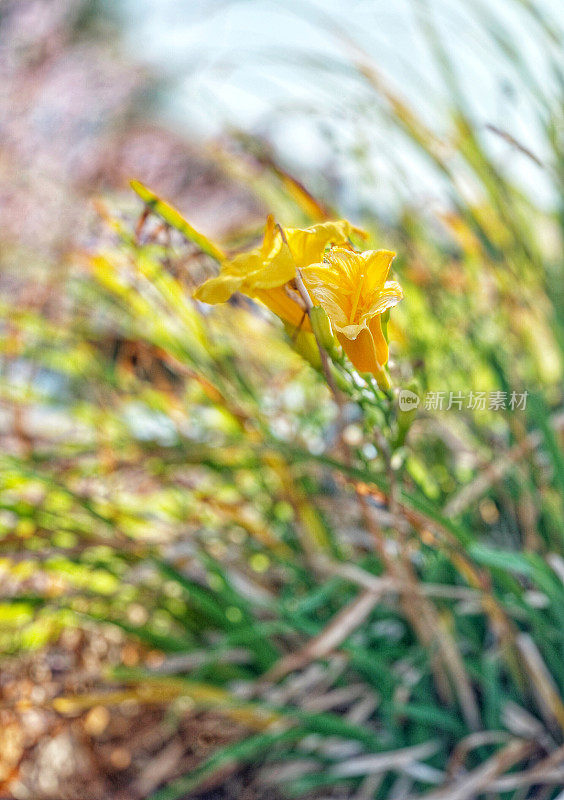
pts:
[354, 290]
[264, 273]
[352, 287]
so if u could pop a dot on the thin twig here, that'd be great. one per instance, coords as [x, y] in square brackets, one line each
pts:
[476, 782]
[331, 637]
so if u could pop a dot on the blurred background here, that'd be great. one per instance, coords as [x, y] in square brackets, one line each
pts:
[189, 525]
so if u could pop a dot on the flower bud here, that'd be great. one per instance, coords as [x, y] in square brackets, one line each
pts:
[322, 328]
[304, 343]
[408, 401]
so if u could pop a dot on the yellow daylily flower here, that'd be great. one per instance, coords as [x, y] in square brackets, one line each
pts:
[264, 273]
[354, 291]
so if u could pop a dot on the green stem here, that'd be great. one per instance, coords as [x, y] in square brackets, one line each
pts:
[382, 379]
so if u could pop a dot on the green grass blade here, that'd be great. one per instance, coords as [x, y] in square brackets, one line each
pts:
[175, 219]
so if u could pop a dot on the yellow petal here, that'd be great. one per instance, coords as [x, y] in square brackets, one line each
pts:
[324, 291]
[309, 244]
[232, 275]
[270, 236]
[276, 271]
[380, 343]
[278, 301]
[389, 296]
[270, 266]
[368, 352]
[317, 275]
[361, 351]
[346, 265]
[219, 289]
[377, 267]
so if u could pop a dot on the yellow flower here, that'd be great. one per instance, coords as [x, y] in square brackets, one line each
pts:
[354, 291]
[264, 273]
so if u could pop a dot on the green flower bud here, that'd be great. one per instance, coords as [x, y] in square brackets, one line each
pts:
[408, 399]
[322, 328]
[304, 343]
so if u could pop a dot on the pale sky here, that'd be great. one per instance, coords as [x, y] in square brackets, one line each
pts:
[281, 69]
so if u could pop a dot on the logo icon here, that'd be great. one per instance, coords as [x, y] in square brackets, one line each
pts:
[408, 400]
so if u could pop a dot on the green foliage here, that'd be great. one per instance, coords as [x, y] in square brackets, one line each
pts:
[181, 473]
